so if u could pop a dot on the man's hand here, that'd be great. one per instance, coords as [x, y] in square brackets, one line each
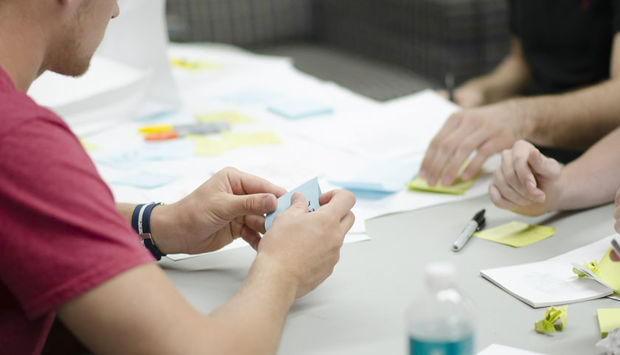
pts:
[486, 130]
[305, 246]
[527, 182]
[613, 254]
[231, 204]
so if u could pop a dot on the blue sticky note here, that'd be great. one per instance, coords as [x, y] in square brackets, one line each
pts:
[144, 180]
[252, 96]
[382, 176]
[300, 108]
[311, 191]
[149, 152]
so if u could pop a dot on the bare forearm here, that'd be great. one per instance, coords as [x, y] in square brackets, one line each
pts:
[507, 80]
[257, 313]
[593, 178]
[573, 120]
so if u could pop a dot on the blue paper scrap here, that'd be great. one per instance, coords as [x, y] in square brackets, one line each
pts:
[251, 97]
[311, 191]
[382, 176]
[149, 152]
[300, 108]
[144, 180]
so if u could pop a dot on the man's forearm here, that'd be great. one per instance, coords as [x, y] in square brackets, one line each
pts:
[507, 80]
[574, 120]
[593, 178]
[258, 311]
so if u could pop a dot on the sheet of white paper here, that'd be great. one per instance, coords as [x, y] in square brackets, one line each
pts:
[496, 349]
[240, 243]
[552, 282]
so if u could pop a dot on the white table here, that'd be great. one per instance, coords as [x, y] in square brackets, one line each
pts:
[360, 309]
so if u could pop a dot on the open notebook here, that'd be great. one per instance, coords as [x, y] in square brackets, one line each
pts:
[552, 282]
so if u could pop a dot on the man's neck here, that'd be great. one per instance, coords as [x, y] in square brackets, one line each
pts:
[22, 47]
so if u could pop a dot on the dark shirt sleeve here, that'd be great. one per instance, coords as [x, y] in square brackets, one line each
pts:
[513, 14]
[615, 22]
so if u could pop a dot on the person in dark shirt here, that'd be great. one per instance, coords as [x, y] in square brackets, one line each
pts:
[558, 88]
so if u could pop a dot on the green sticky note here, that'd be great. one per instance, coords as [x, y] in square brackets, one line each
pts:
[516, 234]
[608, 320]
[231, 117]
[248, 139]
[554, 320]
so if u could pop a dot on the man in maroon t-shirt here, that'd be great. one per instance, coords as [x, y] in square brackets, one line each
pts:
[67, 250]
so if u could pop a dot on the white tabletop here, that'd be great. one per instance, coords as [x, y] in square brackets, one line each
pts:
[360, 309]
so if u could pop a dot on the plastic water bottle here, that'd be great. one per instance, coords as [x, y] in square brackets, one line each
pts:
[440, 321]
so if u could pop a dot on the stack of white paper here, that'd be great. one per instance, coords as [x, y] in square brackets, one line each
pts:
[552, 282]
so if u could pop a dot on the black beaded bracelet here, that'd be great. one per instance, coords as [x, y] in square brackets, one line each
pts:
[141, 223]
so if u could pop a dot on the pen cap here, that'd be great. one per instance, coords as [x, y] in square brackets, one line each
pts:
[440, 275]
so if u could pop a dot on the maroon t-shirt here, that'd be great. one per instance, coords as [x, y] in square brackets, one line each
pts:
[60, 232]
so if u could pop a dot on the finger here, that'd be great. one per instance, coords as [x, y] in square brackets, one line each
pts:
[499, 200]
[507, 192]
[251, 237]
[347, 222]
[617, 199]
[340, 203]
[512, 179]
[468, 145]
[483, 153]
[255, 223]
[452, 123]
[614, 256]
[543, 166]
[243, 183]
[257, 204]
[617, 213]
[299, 204]
[446, 154]
[521, 152]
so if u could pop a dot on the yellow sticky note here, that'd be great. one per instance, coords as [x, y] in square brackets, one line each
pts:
[88, 146]
[459, 187]
[231, 117]
[208, 146]
[516, 234]
[193, 65]
[609, 271]
[608, 320]
[246, 139]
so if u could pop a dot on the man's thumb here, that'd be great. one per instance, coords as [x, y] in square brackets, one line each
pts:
[255, 204]
[299, 202]
[541, 165]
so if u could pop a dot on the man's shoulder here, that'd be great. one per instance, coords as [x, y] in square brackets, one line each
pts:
[18, 109]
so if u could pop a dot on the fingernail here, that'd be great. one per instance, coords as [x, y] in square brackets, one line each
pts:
[465, 176]
[268, 203]
[447, 180]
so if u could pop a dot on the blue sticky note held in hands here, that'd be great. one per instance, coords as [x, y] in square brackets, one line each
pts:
[311, 191]
[294, 109]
